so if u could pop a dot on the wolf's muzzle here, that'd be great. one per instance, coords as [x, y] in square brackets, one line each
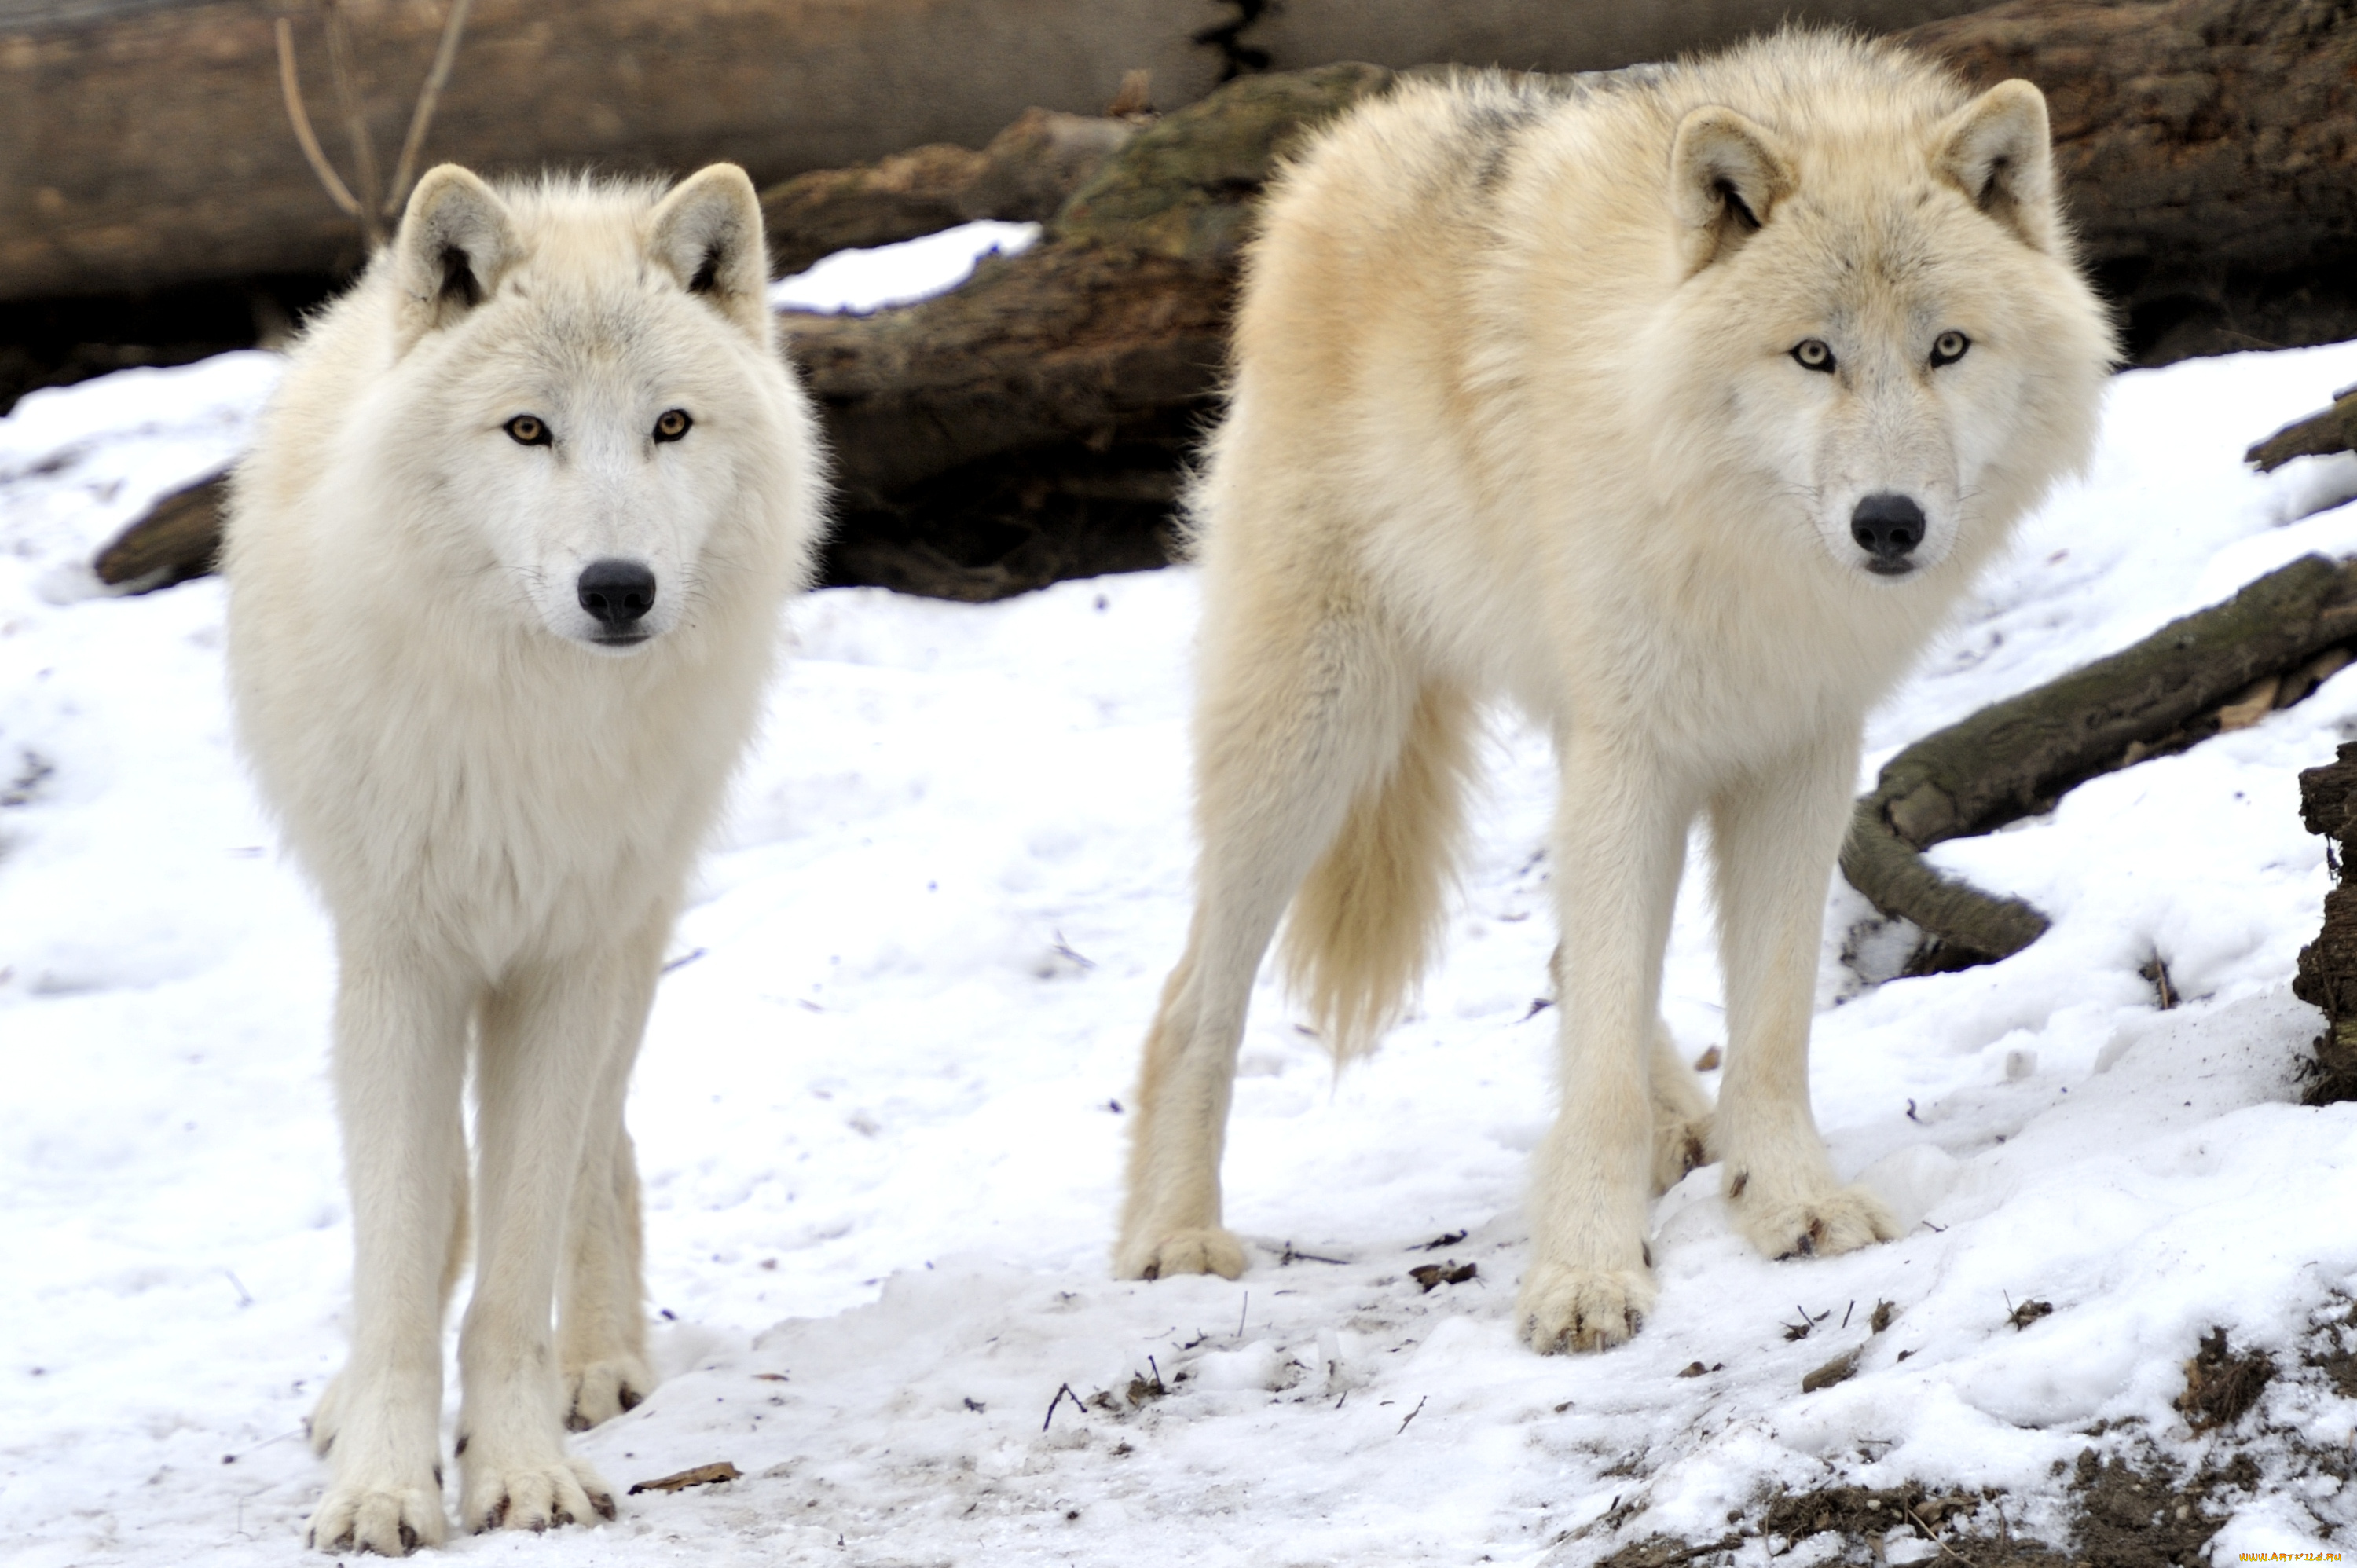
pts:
[618, 594]
[1887, 528]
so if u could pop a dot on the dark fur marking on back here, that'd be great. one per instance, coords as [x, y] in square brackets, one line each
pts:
[1498, 128]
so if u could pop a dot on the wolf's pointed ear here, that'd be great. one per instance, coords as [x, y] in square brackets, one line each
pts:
[456, 239]
[1997, 151]
[1727, 174]
[708, 233]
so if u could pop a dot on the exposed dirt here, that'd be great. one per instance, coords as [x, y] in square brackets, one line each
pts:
[2125, 1511]
[1452, 1273]
[2332, 1347]
[2220, 1386]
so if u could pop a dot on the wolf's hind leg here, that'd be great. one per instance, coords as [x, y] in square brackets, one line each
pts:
[1682, 1115]
[1775, 835]
[401, 1038]
[601, 1297]
[1304, 706]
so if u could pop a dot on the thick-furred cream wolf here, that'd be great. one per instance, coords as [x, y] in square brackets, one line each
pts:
[1678, 407]
[505, 569]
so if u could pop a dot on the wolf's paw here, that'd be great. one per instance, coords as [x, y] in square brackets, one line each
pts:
[392, 1522]
[1206, 1250]
[605, 1389]
[1841, 1220]
[1681, 1145]
[535, 1496]
[1566, 1309]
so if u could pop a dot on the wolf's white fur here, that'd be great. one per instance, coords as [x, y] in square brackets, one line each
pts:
[499, 796]
[1523, 405]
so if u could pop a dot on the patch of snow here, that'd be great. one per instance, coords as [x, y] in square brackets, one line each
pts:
[880, 1115]
[860, 280]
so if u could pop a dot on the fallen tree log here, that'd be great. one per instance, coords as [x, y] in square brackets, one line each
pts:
[2223, 668]
[2317, 435]
[146, 144]
[1024, 175]
[1030, 425]
[143, 145]
[1115, 320]
[177, 538]
[2327, 978]
[2207, 153]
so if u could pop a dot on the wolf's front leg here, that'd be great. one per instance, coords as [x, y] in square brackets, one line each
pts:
[548, 1036]
[1621, 843]
[1775, 835]
[401, 1039]
[601, 1297]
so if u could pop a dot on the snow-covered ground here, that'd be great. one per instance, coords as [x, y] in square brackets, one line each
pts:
[878, 1107]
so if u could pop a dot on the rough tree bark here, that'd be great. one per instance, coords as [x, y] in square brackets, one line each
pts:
[1029, 426]
[1023, 176]
[2317, 435]
[2209, 151]
[143, 144]
[2328, 966]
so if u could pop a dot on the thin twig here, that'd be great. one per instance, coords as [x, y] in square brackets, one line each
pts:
[302, 122]
[1062, 1389]
[428, 97]
[1412, 1415]
[348, 98]
[1934, 1540]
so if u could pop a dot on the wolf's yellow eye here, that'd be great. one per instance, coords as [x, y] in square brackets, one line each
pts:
[526, 430]
[1812, 355]
[1948, 347]
[671, 425]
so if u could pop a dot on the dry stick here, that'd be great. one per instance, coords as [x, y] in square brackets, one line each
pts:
[1412, 1414]
[428, 97]
[339, 64]
[1934, 1540]
[302, 122]
[1062, 1389]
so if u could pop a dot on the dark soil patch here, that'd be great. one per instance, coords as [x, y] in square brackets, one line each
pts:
[2126, 1512]
[2132, 1518]
[2220, 1386]
[2028, 1313]
[2335, 1350]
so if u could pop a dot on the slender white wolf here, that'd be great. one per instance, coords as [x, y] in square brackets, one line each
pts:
[1678, 407]
[505, 569]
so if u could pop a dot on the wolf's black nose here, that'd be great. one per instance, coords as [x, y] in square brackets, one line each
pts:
[1887, 527]
[618, 593]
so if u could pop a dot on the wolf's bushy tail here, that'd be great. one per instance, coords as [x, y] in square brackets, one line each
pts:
[1365, 923]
